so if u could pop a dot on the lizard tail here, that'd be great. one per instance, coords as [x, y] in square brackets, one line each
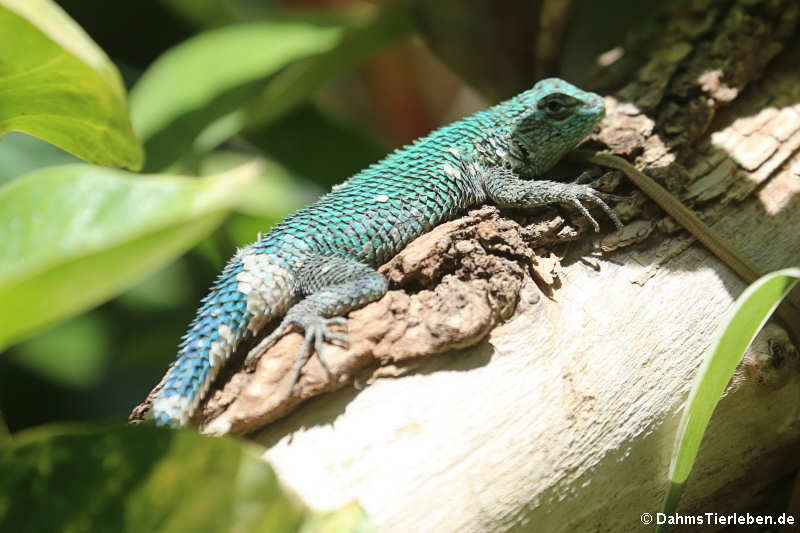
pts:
[252, 289]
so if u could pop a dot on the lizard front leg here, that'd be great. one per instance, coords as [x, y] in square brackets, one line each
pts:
[507, 190]
[332, 286]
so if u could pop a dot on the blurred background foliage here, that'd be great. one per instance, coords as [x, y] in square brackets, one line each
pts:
[312, 90]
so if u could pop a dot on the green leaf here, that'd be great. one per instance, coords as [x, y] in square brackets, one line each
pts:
[137, 479]
[751, 311]
[211, 75]
[262, 70]
[57, 84]
[293, 86]
[21, 153]
[134, 479]
[76, 235]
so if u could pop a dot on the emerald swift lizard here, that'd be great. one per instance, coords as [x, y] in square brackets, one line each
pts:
[320, 262]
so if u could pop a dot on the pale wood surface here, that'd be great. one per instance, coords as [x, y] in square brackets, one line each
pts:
[562, 421]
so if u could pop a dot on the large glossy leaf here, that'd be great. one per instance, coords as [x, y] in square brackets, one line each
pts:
[212, 74]
[75, 235]
[57, 84]
[752, 309]
[135, 479]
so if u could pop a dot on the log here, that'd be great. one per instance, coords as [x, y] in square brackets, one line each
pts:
[563, 359]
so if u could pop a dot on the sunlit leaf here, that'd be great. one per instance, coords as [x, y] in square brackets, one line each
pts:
[57, 84]
[76, 235]
[752, 309]
[275, 194]
[208, 76]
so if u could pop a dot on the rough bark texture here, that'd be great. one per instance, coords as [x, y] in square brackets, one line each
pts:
[563, 417]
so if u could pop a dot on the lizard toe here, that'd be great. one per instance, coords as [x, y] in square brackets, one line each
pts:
[585, 193]
[317, 332]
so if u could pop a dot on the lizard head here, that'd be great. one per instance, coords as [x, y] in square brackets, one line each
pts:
[556, 116]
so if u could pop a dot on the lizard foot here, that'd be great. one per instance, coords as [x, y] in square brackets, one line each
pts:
[575, 194]
[317, 331]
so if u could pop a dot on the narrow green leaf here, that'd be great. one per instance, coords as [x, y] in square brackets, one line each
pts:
[752, 309]
[57, 84]
[211, 75]
[76, 235]
[292, 87]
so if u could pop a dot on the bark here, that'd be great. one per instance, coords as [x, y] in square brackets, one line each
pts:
[565, 357]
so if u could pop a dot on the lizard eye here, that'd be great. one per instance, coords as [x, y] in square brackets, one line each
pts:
[557, 106]
[553, 106]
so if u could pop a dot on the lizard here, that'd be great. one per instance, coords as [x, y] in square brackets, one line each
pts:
[319, 263]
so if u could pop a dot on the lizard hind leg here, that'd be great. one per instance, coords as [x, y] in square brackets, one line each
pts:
[332, 287]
